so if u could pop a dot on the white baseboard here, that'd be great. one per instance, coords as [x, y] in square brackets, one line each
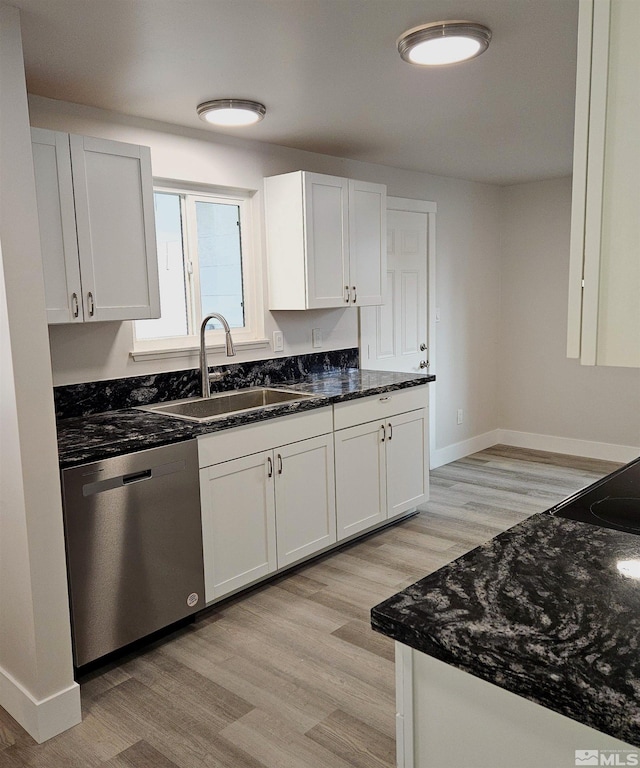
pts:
[45, 718]
[459, 450]
[568, 445]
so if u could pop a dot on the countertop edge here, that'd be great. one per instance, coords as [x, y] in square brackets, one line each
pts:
[171, 430]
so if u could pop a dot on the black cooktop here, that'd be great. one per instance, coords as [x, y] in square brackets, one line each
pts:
[613, 502]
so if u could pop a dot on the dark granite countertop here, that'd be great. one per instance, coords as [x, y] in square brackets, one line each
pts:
[543, 611]
[113, 433]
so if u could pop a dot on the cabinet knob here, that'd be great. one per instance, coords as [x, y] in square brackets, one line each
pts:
[423, 347]
[424, 364]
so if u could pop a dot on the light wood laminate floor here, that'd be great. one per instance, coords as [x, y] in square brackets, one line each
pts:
[291, 675]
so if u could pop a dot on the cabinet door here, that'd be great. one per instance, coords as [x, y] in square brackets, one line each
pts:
[56, 217]
[326, 207]
[360, 478]
[604, 277]
[407, 461]
[367, 242]
[305, 498]
[113, 190]
[238, 523]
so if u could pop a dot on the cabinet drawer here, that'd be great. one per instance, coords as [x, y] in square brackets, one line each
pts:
[353, 412]
[260, 436]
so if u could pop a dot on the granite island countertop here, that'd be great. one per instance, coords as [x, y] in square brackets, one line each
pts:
[542, 611]
[98, 436]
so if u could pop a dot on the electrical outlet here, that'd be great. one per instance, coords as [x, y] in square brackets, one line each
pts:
[316, 338]
[278, 341]
[459, 415]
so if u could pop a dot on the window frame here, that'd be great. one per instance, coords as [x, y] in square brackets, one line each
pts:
[252, 334]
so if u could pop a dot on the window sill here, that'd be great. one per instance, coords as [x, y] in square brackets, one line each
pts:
[168, 353]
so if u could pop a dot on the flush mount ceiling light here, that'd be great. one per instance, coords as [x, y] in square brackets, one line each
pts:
[231, 112]
[443, 42]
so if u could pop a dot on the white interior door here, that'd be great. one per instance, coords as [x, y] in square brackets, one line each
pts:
[394, 335]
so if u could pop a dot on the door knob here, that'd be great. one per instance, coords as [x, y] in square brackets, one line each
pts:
[424, 364]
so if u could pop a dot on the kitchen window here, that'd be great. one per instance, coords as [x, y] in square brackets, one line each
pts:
[205, 265]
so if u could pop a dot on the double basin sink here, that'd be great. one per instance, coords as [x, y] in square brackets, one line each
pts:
[226, 403]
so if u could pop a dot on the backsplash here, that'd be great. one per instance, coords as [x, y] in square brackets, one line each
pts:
[99, 396]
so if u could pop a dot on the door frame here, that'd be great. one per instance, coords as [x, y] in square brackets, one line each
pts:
[430, 208]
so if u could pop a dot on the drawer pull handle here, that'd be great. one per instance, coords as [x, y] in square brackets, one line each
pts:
[92, 307]
[347, 296]
[270, 467]
[382, 399]
[384, 433]
[75, 304]
[355, 294]
[279, 464]
[390, 431]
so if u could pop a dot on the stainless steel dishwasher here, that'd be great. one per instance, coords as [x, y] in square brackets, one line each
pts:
[134, 546]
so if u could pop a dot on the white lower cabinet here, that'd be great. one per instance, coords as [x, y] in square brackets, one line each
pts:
[238, 523]
[305, 498]
[276, 492]
[447, 717]
[361, 478]
[266, 510]
[382, 469]
[407, 462]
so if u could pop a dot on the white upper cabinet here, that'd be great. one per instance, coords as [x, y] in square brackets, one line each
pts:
[97, 228]
[326, 241]
[57, 219]
[604, 280]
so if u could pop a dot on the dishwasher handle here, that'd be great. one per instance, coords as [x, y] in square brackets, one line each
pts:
[108, 484]
[135, 477]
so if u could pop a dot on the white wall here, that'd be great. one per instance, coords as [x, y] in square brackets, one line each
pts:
[542, 392]
[36, 674]
[467, 266]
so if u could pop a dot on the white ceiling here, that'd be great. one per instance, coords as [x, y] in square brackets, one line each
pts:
[329, 74]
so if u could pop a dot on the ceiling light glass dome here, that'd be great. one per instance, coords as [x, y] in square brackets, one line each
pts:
[444, 42]
[231, 112]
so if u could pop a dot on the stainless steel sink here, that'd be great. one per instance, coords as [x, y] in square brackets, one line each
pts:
[208, 408]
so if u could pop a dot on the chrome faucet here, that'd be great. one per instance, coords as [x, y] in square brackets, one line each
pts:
[205, 376]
